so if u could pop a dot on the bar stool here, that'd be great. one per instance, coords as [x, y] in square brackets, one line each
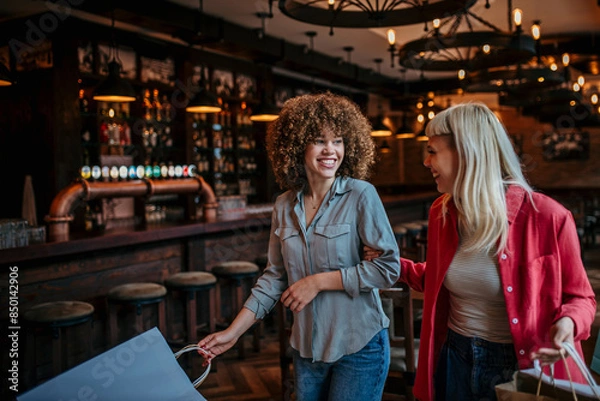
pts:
[400, 234]
[192, 283]
[411, 249]
[235, 273]
[57, 317]
[135, 295]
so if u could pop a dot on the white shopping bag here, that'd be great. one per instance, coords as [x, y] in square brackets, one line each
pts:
[143, 368]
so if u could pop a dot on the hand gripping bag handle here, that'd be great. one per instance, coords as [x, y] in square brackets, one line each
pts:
[204, 375]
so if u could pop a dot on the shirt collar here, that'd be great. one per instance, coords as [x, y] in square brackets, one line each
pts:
[514, 198]
[340, 186]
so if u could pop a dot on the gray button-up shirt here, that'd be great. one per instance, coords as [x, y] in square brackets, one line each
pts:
[335, 323]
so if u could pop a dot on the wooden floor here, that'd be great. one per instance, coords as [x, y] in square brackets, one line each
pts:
[258, 377]
[255, 378]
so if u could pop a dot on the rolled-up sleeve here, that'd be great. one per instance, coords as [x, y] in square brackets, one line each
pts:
[374, 231]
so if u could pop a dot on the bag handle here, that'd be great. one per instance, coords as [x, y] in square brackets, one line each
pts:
[204, 375]
[537, 366]
[569, 349]
[572, 352]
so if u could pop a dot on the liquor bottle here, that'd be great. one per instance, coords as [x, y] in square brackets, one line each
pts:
[83, 102]
[156, 107]
[147, 105]
[167, 109]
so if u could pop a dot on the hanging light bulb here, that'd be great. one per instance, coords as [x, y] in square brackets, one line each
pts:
[462, 74]
[518, 18]
[535, 31]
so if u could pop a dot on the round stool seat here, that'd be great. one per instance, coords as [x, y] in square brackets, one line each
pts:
[399, 229]
[191, 280]
[235, 269]
[413, 228]
[137, 292]
[60, 313]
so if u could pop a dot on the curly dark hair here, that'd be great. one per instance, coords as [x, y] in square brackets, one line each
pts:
[303, 119]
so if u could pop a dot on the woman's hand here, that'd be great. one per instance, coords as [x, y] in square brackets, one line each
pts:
[300, 294]
[216, 343]
[370, 253]
[560, 332]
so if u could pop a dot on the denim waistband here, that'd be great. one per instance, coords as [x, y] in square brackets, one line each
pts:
[468, 344]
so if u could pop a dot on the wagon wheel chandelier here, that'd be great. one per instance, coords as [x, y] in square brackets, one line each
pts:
[370, 13]
[446, 49]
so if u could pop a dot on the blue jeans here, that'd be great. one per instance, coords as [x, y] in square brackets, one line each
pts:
[470, 367]
[359, 376]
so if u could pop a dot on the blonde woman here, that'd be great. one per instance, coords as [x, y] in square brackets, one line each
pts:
[504, 282]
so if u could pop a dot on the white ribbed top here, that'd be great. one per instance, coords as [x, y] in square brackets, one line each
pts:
[477, 305]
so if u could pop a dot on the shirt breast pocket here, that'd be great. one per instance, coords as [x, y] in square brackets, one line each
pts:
[291, 246]
[332, 246]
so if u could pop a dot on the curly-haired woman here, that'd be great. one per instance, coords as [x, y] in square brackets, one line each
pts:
[321, 151]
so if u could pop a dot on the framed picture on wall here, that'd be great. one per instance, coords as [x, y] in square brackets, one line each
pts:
[282, 94]
[154, 70]
[125, 55]
[566, 145]
[85, 55]
[246, 86]
[222, 82]
[200, 74]
[39, 57]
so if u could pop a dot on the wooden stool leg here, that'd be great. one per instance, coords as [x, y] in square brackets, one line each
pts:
[162, 320]
[139, 319]
[192, 325]
[212, 309]
[56, 351]
[236, 302]
[218, 311]
[112, 324]
[90, 343]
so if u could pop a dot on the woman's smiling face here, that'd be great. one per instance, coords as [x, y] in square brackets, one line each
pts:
[442, 161]
[324, 156]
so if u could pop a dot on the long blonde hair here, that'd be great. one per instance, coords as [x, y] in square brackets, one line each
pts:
[487, 165]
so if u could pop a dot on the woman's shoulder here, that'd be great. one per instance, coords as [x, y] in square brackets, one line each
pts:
[545, 203]
[286, 197]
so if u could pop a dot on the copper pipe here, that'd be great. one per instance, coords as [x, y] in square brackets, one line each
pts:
[64, 202]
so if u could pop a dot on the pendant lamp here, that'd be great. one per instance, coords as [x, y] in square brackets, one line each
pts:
[114, 88]
[404, 131]
[204, 101]
[380, 129]
[6, 78]
[266, 111]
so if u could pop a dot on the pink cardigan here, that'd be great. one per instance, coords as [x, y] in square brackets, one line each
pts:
[541, 272]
